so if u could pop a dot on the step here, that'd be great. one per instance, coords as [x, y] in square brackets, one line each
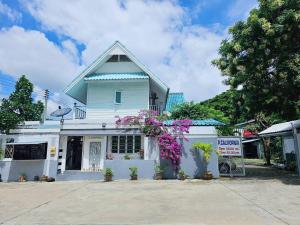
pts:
[79, 175]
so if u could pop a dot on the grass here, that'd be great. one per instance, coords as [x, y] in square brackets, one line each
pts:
[256, 162]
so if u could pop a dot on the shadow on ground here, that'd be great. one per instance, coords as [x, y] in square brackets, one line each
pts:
[260, 172]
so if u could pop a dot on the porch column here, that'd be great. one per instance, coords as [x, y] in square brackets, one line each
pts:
[146, 148]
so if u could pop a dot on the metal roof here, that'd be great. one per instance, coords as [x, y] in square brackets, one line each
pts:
[175, 98]
[116, 76]
[280, 128]
[206, 122]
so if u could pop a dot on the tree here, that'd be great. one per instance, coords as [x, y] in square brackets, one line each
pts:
[19, 106]
[196, 111]
[230, 103]
[262, 58]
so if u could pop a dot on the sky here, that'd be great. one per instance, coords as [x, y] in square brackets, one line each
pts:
[52, 41]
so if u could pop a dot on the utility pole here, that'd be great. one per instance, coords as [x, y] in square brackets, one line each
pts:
[46, 96]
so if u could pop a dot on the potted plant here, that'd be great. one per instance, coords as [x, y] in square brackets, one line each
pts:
[133, 174]
[126, 157]
[108, 174]
[158, 172]
[207, 150]
[181, 175]
[22, 177]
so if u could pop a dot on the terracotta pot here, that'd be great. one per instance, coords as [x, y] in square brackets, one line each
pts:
[181, 177]
[158, 176]
[22, 179]
[207, 176]
[135, 177]
[108, 178]
[44, 178]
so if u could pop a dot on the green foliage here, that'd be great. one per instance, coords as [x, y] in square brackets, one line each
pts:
[206, 148]
[1, 153]
[158, 169]
[19, 106]
[127, 157]
[133, 170]
[108, 172]
[261, 59]
[181, 174]
[194, 111]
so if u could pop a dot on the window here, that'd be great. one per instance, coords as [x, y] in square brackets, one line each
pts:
[125, 144]
[137, 143]
[118, 97]
[114, 144]
[119, 58]
[30, 151]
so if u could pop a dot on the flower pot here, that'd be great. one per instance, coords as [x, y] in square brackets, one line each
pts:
[22, 179]
[44, 178]
[108, 178]
[207, 175]
[181, 178]
[158, 176]
[134, 177]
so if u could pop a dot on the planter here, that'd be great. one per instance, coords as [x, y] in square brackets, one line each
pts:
[44, 178]
[134, 177]
[22, 179]
[181, 177]
[207, 176]
[108, 178]
[158, 176]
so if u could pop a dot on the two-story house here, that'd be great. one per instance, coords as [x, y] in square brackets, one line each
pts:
[116, 84]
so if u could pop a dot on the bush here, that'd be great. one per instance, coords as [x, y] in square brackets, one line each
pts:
[108, 172]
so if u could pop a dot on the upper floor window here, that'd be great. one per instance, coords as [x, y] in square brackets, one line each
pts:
[119, 58]
[118, 97]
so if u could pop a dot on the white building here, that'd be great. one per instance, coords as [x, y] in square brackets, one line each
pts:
[115, 84]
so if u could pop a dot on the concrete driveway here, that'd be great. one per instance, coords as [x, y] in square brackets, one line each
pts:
[217, 202]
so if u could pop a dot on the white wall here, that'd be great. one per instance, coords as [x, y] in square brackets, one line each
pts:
[288, 145]
[101, 98]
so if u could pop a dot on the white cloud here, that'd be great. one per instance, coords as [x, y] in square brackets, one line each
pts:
[31, 53]
[155, 31]
[10, 13]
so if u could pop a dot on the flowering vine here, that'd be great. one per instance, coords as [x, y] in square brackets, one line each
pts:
[168, 136]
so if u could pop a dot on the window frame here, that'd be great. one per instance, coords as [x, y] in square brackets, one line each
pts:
[118, 91]
[133, 150]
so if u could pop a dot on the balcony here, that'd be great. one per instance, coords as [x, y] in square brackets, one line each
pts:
[79, 112]
[156, 108]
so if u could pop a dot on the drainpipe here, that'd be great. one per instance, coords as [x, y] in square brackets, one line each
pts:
[296, 144]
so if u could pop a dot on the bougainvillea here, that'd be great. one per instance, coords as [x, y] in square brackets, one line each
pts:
[167, 136]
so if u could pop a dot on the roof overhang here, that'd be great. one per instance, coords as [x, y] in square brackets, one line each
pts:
[280, 129]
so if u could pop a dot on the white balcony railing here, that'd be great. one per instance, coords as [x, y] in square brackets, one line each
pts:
[156, 108]
[79, 112]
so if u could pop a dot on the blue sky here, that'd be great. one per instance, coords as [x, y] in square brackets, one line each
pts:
[51, 41]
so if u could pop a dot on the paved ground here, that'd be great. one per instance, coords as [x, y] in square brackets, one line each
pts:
[224, 201]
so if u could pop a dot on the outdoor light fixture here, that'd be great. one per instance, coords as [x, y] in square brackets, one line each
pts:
[103, 125]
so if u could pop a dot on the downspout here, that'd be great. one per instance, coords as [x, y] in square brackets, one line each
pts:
[296, 144]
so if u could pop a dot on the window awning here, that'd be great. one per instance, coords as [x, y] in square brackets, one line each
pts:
[116, 76]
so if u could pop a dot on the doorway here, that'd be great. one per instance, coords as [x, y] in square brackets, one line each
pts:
[74, 153]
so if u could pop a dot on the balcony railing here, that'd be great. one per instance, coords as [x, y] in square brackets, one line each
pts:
[156, 108]
[79, 112]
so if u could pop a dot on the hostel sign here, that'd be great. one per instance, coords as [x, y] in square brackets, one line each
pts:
[230, 146]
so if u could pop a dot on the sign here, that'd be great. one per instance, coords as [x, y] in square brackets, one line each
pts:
[52, 151]
[230, 146]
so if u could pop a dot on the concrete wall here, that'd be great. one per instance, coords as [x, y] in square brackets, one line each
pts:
[11, 169]
[121, 168]
[192, 161]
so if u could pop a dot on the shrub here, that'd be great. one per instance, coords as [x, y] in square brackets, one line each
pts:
[108, 172]
[133, 170]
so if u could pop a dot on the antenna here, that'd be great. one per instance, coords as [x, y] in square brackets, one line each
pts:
[61, 112]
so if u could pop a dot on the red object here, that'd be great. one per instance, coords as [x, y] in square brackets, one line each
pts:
[248, 133]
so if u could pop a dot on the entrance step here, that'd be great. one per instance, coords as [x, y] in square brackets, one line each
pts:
[70, 175]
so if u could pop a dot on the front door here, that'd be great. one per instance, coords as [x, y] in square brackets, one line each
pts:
[74, 153]
[95, 155]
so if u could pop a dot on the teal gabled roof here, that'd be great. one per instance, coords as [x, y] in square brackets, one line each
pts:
[116, 76]
[175, 98]
[205, 122]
